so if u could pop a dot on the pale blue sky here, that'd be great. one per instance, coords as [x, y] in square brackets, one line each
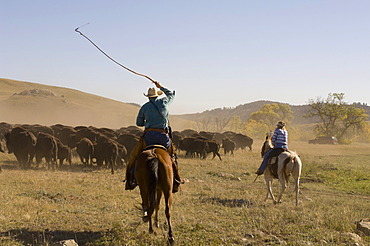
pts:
[213, 53]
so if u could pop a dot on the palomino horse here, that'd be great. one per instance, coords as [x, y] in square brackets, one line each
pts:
[289, 163]
[154, 175]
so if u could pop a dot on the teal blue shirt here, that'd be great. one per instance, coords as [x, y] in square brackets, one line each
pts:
[149, 116]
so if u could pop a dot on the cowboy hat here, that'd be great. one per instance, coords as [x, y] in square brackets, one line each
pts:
[152, 92]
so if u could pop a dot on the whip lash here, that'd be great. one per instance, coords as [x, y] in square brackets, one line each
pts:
[128, 69]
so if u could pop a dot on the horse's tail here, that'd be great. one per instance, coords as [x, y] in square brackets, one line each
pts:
[290, 158]
[153, 180]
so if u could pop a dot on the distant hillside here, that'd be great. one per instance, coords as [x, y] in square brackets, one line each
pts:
[32, 103]
[245, 110]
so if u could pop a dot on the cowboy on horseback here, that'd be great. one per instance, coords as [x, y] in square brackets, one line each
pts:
[280, 143]
[153, 115]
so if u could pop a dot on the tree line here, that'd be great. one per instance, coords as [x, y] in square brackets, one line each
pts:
[333, 117]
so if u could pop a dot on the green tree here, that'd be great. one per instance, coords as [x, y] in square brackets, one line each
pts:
[256, 129]
[336, 117]
[270, 114]
[236, 124]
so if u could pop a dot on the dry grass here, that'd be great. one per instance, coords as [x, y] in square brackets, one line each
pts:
[220, 205]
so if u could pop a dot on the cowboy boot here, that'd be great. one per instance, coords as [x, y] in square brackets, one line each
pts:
[176, 178]
[130, 179]
[259, 172]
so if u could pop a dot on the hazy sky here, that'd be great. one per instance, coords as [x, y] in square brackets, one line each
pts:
[213, 53]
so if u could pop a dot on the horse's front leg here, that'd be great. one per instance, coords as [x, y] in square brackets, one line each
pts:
[269, 189]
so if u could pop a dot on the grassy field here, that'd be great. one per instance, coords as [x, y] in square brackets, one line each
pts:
[219, 205]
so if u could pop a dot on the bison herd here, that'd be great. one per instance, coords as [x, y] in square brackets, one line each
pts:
[103, 146]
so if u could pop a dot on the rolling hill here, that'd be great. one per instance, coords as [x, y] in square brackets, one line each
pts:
[32, 103]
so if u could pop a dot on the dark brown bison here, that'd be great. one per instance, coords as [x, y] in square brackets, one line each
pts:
[218, 137]
[89, 133]
[4, 128]
[133, 130]
[22, 143]
[214, 147]
[2, 145]
[46, 147]
[105, 151]
[242, 141]
[194, 147]
[85, 150]
[188, 132]
[122, 155]
[107, 132]
[176, 137]
[65, 133]
[228, 146]
[64, 153]
[207, 135]
[129, 141]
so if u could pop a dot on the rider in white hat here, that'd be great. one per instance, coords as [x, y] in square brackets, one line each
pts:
[153, 115]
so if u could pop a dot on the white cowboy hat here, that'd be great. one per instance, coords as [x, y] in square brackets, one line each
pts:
[152, 92]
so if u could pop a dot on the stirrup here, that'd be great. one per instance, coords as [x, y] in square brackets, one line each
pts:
[130, 185]
[179, 182]
[175, 187]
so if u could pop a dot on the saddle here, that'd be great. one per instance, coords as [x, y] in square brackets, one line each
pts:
[170, 150]
[156, 146]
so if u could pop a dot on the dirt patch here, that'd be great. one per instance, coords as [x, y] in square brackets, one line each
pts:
[228, 202]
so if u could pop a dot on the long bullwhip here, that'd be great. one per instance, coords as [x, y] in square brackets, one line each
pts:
[132, 71]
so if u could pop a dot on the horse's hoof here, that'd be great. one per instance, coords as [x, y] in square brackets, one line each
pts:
[171, 241]
[146, 219]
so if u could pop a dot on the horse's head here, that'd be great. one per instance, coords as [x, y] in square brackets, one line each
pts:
[266, 146]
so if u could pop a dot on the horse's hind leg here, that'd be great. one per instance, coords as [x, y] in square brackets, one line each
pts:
[159, 196]
[283, 187]
[296, 192]
[150, 225]
[144, 197]
[168, 201]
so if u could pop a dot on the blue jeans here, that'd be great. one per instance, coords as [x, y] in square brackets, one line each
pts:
[270, 153]
[161, 138]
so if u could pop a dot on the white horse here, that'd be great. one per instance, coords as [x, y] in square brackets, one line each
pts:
[289, 163]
